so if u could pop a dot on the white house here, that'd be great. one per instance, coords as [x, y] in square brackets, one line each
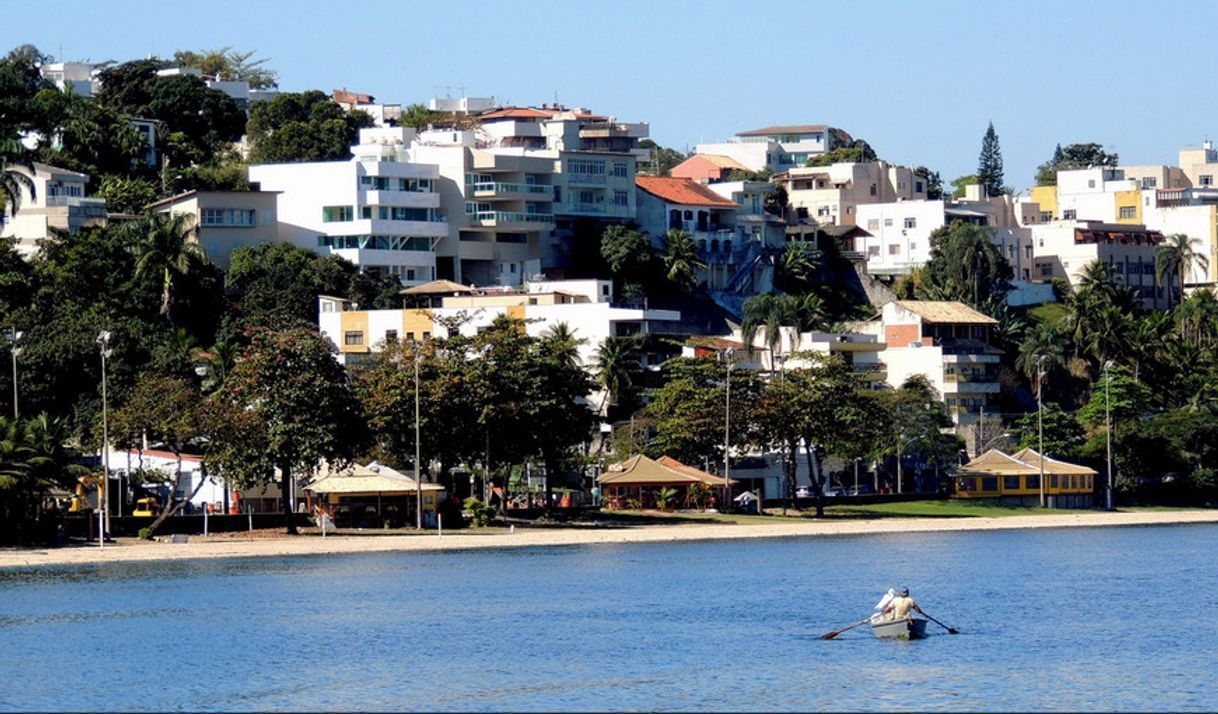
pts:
[58, 203]
[778, 148]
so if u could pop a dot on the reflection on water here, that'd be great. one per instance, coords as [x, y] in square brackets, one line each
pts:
[1089, 619]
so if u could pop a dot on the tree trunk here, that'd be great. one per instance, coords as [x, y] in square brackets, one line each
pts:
[175, 506]
[818, 483]
[285, 490]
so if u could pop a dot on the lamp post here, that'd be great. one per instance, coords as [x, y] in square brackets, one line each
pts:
[727, 431]
[1040, 424]
[418, 478]
[14, 340]
[103, 510]
[1108, 429]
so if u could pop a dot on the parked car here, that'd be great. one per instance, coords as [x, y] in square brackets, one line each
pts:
[861, 490]
[803, 492]
[834, 492]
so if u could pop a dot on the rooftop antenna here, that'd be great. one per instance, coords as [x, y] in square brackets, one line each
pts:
[462, 88]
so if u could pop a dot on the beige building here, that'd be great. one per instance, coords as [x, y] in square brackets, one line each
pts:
[226, 220]
[1063, 249]
[58, 203]
[830, 194]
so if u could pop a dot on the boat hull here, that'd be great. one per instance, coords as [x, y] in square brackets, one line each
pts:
[909, 628]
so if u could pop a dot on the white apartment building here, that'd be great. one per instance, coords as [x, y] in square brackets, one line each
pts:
[77, 76]
[710, 219]
[778, 148]
[1062, 249]
[241, 92]
[58, 203]
[226, 220]
[380, 213]
[831, 194]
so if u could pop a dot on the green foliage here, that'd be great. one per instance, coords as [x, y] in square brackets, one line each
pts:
[959, 185]
[227, 64]
[1064, 435]
[482, 515]
[770, 313]
[167, 250]
[627, 253]
[198, 120]
[964, 265]
[126, 195]
[1126, 397]
[1074, 156]
[665, 498]
[228, 172]
[145, 534]
[33, 461]
[934, 183]
[14, 183]
[681, 261]
[989, 163]
[20, 81]
[1176, 258]
[799, 266]
[687, 412]
[302, 126]
[857, 153]
[93, 137]
[662, 159]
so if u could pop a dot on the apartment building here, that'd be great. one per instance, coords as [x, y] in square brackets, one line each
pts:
[831, 194]
[778, 148]
[666, 204]
[58, 203]
[381, 213]
[582, 305]
[707, 168]
[859, 350]
[382, 114]
[1062, 249]
[226, 220]
[79, 77]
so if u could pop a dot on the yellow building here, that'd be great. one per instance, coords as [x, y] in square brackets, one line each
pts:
[1016, 478]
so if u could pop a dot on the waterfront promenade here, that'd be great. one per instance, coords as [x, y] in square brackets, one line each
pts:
[237, 546]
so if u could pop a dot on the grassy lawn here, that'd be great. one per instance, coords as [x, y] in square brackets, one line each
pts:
[935, 509]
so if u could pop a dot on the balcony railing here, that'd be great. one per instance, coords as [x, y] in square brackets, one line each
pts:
[504, 187]
[586, 179]
[510, 217]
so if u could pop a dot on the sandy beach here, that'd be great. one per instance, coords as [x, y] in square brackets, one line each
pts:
[236, 546]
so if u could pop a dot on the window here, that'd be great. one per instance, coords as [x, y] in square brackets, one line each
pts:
[913, 247]
[917, 187]
[1206, 179]
[822, 211]
[426, 335]
[584, 167]
[911, 222]
[989, 483]
[620, 169]
[1128, 212]
[1149, 182]
[1046, 216]
[1053, 481]
[1010, 483]
[887, 222]
[1069, 214]
[894, 249]
[337, 214]
[228, 217]
[391, 335]
[967, 484]
[873, 224]
[872, 189]
[873, 251]
[620, 198]
[1033, 482]
[354, 338]
[1046, 270]
[1091, 183]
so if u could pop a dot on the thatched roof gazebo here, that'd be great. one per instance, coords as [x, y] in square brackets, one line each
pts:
[642, 478]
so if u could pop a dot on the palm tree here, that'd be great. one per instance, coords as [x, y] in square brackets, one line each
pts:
[563, 343]
[1147, 341]
[799, 263]
[681, 261]
[770, 313]
[166, 245]
[1043, 339]
[1177, 257]
[215, 363]
[12, 181]
[615, 368]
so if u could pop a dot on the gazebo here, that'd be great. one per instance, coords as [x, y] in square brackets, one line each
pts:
[369, 496]
[641, 479]
[1016, 478]
[432, 294]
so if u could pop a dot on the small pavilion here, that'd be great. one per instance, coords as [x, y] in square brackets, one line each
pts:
[371, 495]
[1015, 478]
[641, 479]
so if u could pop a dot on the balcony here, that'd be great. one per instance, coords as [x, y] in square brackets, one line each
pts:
[84, 206]
[503, 219]
[502, 190]
[401, 199]
[586, 179]
[614, 131]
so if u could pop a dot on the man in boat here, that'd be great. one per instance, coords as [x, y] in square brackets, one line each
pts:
[901, 606]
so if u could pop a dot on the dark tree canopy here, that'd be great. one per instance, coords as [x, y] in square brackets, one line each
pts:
[1073, 156]
[989, 163]
[303, 126]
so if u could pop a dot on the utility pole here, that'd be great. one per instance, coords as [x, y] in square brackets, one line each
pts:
[418, 479]
[727, 433]
[14, 339]
[103, 505]
[1040, 425]
[1108, 430]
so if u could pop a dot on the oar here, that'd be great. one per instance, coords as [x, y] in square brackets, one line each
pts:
[950, 630]
[835, 633]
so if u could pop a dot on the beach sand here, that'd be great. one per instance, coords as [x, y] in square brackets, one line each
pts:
[237, 545]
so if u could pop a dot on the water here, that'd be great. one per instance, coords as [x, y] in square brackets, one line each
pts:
[1086, 619]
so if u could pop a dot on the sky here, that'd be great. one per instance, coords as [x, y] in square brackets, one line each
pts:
[919, 81]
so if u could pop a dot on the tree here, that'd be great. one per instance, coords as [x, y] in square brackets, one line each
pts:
[20, 81]
[1043, 340]
[1126, 397]
[563, 344]
[662, 159]
[681, 261]
[1177, 257]
[12, 181]
[167, 249]
[934, 184]
[197, 120]
[1074, 156]
[89, 136]
[770, 313]
[227, 64]
[615, 368]
[126, 195]
[858, 152]
[124, 87]
[1064, 436]
[989, 163]
[964, 265]
[960, 185]
[688, 412]
[916, 419]
[286, 405]
[627, 253]
[302, 126]
[798, 266]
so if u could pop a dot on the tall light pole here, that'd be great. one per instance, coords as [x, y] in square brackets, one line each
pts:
[1108, 429]
[418, 477]
[103, 512]
[1040, 424]
[727, 432]
[14, 339]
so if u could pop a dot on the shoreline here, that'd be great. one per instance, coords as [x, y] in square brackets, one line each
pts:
[237, 547]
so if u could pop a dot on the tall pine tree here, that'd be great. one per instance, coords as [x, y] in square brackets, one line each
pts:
[989, 165]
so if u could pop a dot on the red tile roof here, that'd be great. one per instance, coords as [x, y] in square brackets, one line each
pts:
[516, 113]
[682, 191]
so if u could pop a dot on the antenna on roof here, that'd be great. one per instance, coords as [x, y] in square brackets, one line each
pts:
[462, 88]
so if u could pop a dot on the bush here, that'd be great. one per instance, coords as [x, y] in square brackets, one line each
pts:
[145, 534]
[480, 514]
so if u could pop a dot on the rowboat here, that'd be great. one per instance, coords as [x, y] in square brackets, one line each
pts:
[909, 628]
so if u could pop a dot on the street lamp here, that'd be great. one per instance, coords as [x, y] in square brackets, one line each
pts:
[1108, 429]
[418, 478]
[1040, 424]
[727, 431]
[13, 335]
[103, 511]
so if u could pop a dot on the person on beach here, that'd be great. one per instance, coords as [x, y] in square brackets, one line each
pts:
[901, 605]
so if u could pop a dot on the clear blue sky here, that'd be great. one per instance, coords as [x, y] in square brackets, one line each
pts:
[918, 80]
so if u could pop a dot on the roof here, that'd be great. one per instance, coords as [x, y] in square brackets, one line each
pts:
[42, 168]
[516, 113]
[682, 191]
[946, 311]
[193, 192]
[786, 129]
[373, 478]
[643, 471]
[438, 287]
[723, 162]
[1024, 462]
[720, 344]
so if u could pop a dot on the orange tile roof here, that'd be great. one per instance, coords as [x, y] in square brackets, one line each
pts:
[516, 113]
[682, 191]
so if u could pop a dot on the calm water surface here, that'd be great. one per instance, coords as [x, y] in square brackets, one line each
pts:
[1087, 619]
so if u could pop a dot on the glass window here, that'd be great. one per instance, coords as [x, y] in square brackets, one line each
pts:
[894, 249]
[337, 214]
[887, 222]
[1053, 481]
[1129, 212]
[620, 170]
[989, 483]
[1069, 214]
[1010, 483]
[353, 338]
[911, 222]
[1206, 179]
[1033, 482]
[391, 335]
[873, 224]
[620, 198]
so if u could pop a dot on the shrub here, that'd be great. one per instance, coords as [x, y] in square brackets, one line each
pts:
[480, 514]
[145, 534]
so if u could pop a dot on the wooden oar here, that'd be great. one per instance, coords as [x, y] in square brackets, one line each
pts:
[951, 630]
[835, 633]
